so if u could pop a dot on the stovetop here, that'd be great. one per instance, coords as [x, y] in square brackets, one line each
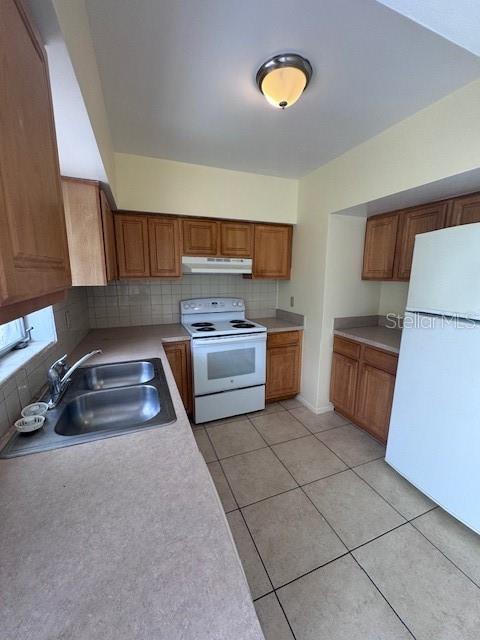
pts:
[210, 317]
[205, 329]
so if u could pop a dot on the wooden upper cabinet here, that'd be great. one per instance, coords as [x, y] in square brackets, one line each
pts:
[236, 239]
[464, 210]
[109, 241]
[90, 232]
[33, 244]
[379, 249]
[131, 233]
[164, 236]
[200, 237]
[272, 251]
[411, 223]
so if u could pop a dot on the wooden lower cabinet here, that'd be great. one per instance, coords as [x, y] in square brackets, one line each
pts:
[374, 400]
[179, 358]
[362, 384]
[284, 355]
[343, 383]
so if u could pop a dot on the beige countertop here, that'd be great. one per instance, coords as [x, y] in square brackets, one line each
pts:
[376, 336]
[276, 325]
[122, 538]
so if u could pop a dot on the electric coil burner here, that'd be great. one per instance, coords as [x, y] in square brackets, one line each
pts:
[228, 353]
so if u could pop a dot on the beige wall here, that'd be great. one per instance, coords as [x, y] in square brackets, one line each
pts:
[393, 298]
[74, 24]
[151, 184]
[440, 141]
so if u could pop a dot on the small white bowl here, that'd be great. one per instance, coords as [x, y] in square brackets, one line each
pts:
[35, 409]
[29, 424]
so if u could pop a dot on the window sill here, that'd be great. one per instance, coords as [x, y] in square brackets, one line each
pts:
[15, 360]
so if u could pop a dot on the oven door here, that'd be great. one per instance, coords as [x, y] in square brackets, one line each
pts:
[228, 362]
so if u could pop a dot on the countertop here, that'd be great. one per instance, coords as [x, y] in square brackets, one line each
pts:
[276, 325]
[376, 336]
[122, 538]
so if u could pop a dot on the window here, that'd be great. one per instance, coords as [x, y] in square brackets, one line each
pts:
[11, 334]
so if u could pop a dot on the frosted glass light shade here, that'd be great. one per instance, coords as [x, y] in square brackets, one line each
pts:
[283, 87]
[284, 78]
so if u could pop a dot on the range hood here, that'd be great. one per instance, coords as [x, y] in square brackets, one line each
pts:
[216, 265]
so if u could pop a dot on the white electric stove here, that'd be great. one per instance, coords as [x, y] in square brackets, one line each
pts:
[228, 355]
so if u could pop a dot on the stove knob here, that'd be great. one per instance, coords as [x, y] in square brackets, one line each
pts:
[234, 304]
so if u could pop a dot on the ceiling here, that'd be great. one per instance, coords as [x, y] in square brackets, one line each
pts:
[457, 20]
[179, 78]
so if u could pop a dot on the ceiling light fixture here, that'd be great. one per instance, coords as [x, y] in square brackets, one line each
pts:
[283, 78]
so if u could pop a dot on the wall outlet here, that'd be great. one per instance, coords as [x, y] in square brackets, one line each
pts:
[292, 301]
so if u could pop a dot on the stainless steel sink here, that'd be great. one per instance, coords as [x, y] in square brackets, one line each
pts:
[127, 407]
[84, 414]
[123, 374]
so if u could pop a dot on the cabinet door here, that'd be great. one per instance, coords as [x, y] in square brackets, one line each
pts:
[411, 223]
[165, 254]
[131, 234]
[236, 239]
[374, 400]
[178, 354]
[464, 210]
[200, 237]
[33, 243]
[109, 239]
[343, 383]
[379, 249]
[272, 252]
[283, 368]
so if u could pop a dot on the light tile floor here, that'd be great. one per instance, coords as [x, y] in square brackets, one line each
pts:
[335, 544]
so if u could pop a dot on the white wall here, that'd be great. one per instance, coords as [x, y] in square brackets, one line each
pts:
[151, 184]
[440, 141]
[75, 27]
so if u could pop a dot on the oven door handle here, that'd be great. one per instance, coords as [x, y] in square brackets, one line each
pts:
[255, 337]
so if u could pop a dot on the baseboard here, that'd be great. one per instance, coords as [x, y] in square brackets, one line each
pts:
[316, 410]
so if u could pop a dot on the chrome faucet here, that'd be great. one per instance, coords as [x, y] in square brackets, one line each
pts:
[58, 376]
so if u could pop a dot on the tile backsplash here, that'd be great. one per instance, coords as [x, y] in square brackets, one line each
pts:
[71, 323]
[153, 301]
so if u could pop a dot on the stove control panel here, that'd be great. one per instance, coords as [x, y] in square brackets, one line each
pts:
[211, 305]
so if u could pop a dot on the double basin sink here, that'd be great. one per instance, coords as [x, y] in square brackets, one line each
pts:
[102, 401]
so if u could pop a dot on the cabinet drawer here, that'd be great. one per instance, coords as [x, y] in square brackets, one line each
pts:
[283, 338]
[346, 347]
[381, 359]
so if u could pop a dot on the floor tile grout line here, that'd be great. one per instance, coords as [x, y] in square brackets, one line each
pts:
[234, 455]
[439, 550]
[314, 505]
[257, 550]
[343, 555]
[383, 596]
[307, 573]
[285, 614]
[407, 520]
[249, 532]
[379, 494]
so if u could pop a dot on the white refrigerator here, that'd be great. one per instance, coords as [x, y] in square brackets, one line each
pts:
[434, 436]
